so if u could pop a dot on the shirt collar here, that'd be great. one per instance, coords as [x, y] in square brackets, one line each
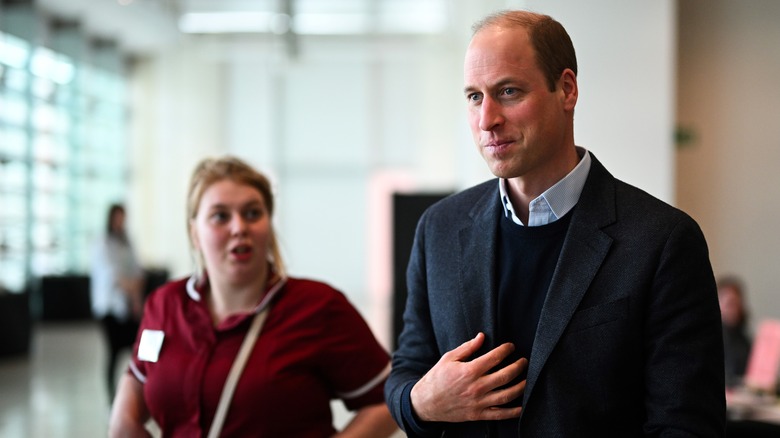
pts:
[556, 201]
[273, 286]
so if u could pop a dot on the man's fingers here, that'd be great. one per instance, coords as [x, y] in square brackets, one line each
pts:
[482, 364]
[466, 349]
[493, 385]
[492, 358]
[503, 396]
[500, 413]
[458, 390]
[506, 374]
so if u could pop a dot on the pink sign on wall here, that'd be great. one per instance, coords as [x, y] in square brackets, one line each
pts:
[764, 363]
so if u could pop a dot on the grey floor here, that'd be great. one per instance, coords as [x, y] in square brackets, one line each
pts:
[59, 390]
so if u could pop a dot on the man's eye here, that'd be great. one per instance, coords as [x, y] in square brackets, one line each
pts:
[474, 97]
[510, 91]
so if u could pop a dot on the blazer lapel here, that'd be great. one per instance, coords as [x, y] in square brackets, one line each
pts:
[477, 262]
[583, 252]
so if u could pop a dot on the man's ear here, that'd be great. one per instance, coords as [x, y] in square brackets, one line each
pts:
[569, 89]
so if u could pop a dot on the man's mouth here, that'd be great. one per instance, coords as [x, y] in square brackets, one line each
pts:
[497, 146]
[498, 143]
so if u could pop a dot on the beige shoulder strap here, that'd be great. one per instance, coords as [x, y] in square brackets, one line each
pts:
[235, 373]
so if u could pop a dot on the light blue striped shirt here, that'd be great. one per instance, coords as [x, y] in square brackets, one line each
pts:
[556, 201]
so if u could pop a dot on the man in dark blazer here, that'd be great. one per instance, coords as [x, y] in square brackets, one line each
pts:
[554, 301]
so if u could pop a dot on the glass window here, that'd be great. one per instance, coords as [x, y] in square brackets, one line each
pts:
[13, 142]
[16, 79]
[47, 64]
[42, 88]
[14, 51]
[62, 157]
[13, 109]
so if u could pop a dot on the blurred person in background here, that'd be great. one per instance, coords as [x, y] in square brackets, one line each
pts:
[312, 347]
[734, 316]
[116, 288]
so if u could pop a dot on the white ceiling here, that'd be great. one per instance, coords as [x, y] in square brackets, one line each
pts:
[139, 26]
[144, 26]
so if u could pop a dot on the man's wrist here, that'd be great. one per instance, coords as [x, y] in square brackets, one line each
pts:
[415, 403]
[411, 419]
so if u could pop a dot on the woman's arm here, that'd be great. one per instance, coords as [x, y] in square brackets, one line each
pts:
[129, 412]
[133, 288]
[373, 421]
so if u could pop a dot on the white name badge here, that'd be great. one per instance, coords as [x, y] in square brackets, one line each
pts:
[150, 344]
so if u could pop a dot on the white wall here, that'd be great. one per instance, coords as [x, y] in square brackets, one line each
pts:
[347, 120]
[177, 117]
[728, 179]
[626, 62]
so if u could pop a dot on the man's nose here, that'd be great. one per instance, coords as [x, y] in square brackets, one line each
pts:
[490, 114]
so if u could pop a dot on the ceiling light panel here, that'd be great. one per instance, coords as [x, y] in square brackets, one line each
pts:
[314, 17]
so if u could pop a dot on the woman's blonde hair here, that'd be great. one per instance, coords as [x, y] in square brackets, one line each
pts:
[213, 170]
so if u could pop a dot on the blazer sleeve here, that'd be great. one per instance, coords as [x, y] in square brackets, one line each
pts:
[683, 342]
[417, 347]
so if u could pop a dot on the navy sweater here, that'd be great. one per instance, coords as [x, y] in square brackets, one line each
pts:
[526, 263]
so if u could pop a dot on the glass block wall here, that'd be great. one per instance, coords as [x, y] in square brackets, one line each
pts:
[63, 160]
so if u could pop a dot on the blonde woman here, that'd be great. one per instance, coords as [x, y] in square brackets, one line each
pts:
[312, 347]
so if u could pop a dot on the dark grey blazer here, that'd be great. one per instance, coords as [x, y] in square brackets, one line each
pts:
[629, 340]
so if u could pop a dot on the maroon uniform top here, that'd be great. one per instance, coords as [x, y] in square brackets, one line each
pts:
[314, 347]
